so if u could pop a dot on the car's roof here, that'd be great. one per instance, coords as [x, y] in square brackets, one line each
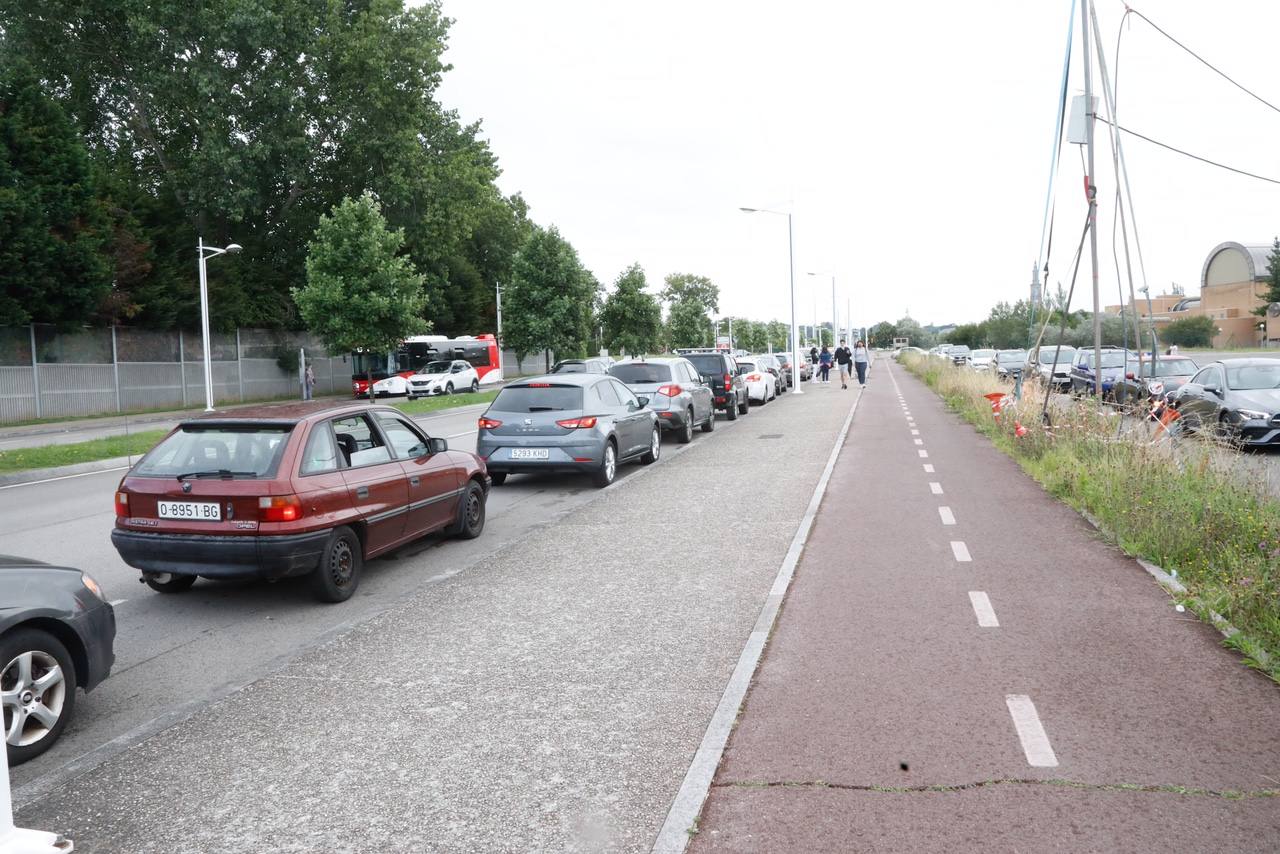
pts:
[560, 380]
[644, 361]
[1244, 361]
[294, 413]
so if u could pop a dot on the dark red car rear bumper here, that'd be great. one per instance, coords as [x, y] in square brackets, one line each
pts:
[215, 556]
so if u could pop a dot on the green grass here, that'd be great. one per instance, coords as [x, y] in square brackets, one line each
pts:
[1178, 506]
[444, 401]
[48, 456]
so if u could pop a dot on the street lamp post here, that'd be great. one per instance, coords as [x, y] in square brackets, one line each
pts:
[791, 270]
[231, 249]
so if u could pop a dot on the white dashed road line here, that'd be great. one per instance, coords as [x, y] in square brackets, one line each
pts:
[961, 551]
[1035, 742]
[924, 455]
[935, 487]
[928, 468]
[948, 518]
[918, 441]
[982, 607]
[915, 432]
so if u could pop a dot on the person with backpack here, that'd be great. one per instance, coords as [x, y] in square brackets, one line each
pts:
[861, 359]
[844, 359]
[824, 364]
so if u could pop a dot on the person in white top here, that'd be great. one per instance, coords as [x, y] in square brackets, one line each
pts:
[860, 361]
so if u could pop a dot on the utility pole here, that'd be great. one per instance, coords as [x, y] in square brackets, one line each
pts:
[1092, 192]
[497, 290]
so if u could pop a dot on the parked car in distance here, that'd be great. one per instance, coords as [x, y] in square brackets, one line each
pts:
[311, 489]
[766, 361]
[958, 353]
[1144, 382]
[443, 377]
[1236, 399]
[57, 633]
[784, 362]
[392, 386]
[581, 366]
[1113, 368]
[1053, 364]
[582, 423]
[762, 386]
[675, 390]
[901, 351]
[719, 370]
[980, 360]
[1009, 364]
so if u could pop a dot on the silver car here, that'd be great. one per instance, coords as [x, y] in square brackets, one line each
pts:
[589, 423]
[676, 392]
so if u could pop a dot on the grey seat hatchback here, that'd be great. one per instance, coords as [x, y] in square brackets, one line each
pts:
[588, 423]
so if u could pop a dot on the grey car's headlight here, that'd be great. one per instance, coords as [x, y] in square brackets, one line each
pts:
[1253, 414]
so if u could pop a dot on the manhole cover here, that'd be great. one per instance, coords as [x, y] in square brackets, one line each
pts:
[769, 436]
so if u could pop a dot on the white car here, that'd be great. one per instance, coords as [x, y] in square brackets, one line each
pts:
[392, 385]
[980, 360]
[761, 385]
[444, 377]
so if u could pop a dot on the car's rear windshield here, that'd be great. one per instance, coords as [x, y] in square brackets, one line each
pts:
[1170, 368]
[248, 451]
[707, 363]
[641, 372]
[538, 398]
[959, 351]
[1254, 377]
[570, 368]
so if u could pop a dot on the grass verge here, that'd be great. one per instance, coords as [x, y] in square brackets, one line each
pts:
[444, 401]
[1176, 504]
[49, 456]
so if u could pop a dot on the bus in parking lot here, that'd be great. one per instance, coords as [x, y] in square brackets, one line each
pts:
[480, 351]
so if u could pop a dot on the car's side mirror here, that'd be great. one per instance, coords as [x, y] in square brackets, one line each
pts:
[1213, 389]
[1129, 376]
[643, 401]
[437, 446]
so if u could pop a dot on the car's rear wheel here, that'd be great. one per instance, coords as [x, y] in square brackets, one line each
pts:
[475, 386]
[38, 686]
[745, 405]
[710, 423]
[338, 575]
[168, 582]
[608, 469]
[471, 520]
[498, 477]
[686, 432]
[655, 448]
[731, 411]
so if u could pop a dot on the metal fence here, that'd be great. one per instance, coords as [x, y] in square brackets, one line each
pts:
[50, 374]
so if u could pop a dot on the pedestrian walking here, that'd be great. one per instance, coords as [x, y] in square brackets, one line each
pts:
[813, 364]
[861, 358]
[844, 360]
[308, 381]
[824, 364]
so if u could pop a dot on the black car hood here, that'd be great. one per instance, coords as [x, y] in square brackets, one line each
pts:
[1264, 399]
[12, 562]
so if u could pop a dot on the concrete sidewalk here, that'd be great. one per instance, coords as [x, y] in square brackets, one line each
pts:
[961, 665]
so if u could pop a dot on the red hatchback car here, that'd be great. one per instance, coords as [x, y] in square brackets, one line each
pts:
[272, 492]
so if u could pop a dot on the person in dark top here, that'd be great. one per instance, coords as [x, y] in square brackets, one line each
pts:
[844, 359]
[824, 364]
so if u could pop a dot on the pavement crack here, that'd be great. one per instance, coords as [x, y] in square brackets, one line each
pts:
[1191, 791]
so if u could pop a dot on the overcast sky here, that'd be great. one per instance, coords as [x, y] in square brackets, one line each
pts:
[911, 141]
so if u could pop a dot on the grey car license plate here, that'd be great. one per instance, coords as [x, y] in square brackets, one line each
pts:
[530, 454]
[201, 511]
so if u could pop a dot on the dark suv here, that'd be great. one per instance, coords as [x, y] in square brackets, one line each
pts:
[728, 389]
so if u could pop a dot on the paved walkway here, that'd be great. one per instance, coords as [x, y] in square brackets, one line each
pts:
[962, 665]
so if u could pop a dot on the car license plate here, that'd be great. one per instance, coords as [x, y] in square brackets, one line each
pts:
[530, 454]
[200, 511]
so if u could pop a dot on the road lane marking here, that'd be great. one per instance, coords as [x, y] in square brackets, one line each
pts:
[935, 487]
[460, 435]
[982, 607]
[915, 432]
[1035, 741]
[924, 455]
[948, 518]
[961, 551]
[66, 476]
[918, 441]
[928, 467]
[115, 602]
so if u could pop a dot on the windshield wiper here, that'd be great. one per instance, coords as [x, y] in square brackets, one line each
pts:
[216, 473]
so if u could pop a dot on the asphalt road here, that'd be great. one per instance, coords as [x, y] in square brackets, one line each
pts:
[540, 688]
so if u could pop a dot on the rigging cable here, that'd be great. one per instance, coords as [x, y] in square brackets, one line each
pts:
[1050, 214]
[1176, 150]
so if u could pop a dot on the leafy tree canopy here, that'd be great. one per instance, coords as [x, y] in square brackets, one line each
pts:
[632, 318]
[548, 303]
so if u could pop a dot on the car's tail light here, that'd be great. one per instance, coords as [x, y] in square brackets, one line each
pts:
[753, 378]
[122, 504]
[670, 390]
[584, 423]
[279, 508]
[728, 381]
[489, 424]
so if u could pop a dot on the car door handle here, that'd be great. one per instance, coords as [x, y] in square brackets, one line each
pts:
[362, 492]
[413, 481]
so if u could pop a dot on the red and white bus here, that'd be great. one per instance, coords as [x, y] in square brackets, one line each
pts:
[414, 354]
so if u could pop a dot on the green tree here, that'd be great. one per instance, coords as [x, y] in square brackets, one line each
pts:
[548, 303]
[692, 300]
[360, 293]
[882, 334]
[632, 318]
[688, 325]
[1190, 332]
[51, 225]
[972, 335]
[777, 334]
[1273, 278]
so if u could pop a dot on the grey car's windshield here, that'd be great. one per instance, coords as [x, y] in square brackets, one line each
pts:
[540, 397]
[1254, 377]
[1110, 360]
[641, 372]
[1014, 358]
[1168, 368]
[249, 451]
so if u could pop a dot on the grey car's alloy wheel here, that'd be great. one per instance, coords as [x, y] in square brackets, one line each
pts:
[710, 423]
[338, 575]
[168, 582]
[655, 448]
[686, 432]
[745, 405]
[608, 469]
[37, 691]
[448, 388]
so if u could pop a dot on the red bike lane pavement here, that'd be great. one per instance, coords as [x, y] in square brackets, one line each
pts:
[961, 664]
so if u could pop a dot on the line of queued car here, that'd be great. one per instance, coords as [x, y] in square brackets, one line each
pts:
[316, 490]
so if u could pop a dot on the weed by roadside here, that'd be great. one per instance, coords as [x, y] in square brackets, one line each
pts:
[1182, 506]
[49, 456]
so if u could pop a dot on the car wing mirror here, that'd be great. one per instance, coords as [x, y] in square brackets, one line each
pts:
[642, 403]
[437, 446]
